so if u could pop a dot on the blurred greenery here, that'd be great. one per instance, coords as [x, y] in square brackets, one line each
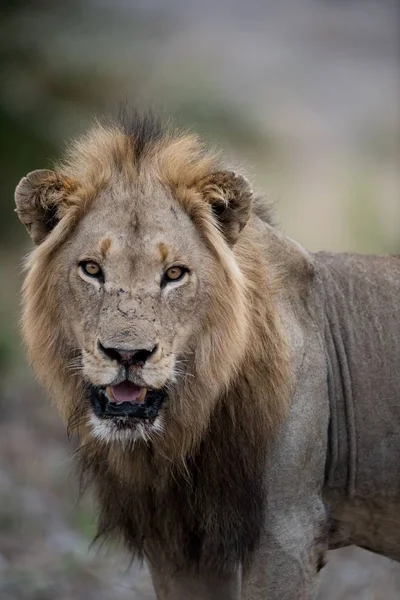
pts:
[84, 521]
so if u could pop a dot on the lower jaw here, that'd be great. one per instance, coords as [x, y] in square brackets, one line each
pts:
[125, 430]
[127, 414]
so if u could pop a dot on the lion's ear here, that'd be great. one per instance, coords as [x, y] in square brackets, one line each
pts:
[38, 197]
[230, 196]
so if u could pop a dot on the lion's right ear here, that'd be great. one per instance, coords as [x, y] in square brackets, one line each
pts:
[230, 196]
[38, 197]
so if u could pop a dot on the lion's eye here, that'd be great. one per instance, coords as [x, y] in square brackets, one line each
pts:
[92, 269]
[174, 274]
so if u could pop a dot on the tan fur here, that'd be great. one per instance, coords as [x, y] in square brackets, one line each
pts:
[236, 357]
[105, 246]
[163, 251]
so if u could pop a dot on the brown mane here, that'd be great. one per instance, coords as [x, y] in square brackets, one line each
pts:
[197, 495]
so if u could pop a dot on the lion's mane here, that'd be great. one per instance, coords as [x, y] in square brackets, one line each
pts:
[197, 496]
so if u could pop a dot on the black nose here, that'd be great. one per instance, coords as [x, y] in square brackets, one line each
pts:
[128, 357]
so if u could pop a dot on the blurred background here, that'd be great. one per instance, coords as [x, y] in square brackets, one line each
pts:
[303, 93]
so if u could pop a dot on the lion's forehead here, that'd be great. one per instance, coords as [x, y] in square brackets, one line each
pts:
[153, 225]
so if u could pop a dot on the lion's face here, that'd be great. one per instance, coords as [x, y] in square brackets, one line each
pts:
[134, 289]
[135, 311]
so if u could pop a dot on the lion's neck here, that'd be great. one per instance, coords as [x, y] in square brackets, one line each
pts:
[204, 513]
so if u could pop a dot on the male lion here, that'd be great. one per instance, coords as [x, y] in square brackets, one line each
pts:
[237, 398]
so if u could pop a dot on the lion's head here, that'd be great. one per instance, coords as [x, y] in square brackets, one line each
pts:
[135, 310]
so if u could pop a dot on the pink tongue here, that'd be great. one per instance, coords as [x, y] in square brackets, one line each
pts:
[125, 392]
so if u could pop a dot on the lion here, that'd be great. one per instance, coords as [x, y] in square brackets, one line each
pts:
[236, 397]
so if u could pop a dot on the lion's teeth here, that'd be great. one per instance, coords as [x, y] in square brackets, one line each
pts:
[142, 395]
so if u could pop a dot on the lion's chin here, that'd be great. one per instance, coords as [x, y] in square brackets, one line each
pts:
[125, 431]
[114, 420]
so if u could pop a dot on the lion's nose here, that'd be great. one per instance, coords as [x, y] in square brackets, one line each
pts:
[128, 356]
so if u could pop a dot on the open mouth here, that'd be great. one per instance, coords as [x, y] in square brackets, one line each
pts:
[127, 400]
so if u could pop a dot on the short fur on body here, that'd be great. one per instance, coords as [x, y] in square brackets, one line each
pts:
[217, 484]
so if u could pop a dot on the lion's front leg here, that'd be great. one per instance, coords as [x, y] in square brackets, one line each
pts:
[295, 531]
[181, 586]
[291, 553]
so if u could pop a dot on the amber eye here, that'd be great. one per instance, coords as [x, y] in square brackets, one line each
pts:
[92, 269]
[174, 273]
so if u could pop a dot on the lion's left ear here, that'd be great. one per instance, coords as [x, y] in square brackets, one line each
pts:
[230, 196]
[38, 198]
